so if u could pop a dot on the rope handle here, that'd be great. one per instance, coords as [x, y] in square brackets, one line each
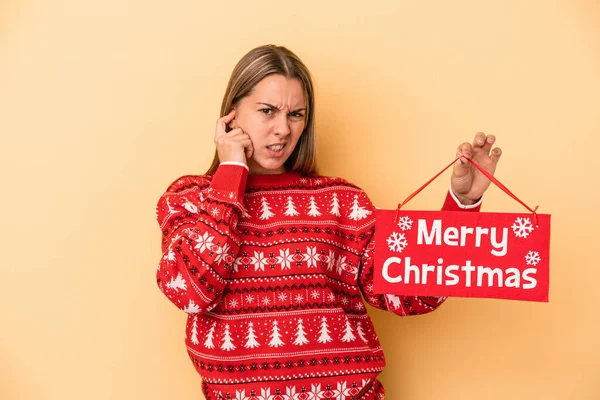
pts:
[484, 172]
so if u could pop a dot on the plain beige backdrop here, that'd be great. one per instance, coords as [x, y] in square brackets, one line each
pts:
[103, 104]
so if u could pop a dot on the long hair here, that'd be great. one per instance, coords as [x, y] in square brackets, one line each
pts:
[256, 65]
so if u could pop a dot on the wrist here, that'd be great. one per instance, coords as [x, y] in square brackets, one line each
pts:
[465, 201]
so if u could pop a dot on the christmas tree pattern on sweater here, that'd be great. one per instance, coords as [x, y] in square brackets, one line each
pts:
[274, 274]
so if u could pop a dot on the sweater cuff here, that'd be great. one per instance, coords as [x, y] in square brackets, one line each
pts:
[241, 164]
[452, 204]
[229, 183]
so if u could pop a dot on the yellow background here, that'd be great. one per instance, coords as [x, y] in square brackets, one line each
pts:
[103, 104]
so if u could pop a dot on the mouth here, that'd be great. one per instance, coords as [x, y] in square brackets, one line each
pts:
[276, 147]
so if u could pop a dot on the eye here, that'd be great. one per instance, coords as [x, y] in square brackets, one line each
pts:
[296, 114]
[266, 111]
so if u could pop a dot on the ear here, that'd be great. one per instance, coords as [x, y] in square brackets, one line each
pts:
[232, 124]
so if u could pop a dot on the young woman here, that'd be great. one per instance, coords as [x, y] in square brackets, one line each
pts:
[273, 263]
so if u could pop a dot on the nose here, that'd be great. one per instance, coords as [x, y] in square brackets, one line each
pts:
[282, 127]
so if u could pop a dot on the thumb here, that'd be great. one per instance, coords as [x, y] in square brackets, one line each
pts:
[462, 166]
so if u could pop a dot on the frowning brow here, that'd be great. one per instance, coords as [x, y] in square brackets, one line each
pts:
[275, 108]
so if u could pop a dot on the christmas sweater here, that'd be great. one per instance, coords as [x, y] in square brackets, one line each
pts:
[274, 272]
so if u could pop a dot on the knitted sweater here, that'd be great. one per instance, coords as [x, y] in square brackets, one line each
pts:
[272, 271]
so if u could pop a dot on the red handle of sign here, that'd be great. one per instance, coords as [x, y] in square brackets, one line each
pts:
[484, 172]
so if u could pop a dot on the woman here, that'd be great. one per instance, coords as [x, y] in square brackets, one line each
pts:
[270, 260]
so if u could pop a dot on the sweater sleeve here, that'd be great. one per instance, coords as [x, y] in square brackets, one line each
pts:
[198, 218]
[398, 304]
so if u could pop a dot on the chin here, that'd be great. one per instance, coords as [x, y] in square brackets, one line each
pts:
[267, 168]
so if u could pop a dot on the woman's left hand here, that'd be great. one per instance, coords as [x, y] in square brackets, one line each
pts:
[467, 183]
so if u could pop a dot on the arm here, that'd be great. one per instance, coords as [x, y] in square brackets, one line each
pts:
[198, 218]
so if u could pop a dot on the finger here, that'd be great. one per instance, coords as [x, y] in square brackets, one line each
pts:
[229, 117]
[249, 149]
[222, 138]
[484, 143]
[479, 140]
[487, 146]
[465, 149]
[246, 142]
[222, 123]
[496, 153]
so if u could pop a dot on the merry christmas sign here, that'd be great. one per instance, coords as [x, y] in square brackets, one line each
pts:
[463, 254]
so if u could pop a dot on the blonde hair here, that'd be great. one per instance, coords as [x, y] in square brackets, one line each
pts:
[256, 65]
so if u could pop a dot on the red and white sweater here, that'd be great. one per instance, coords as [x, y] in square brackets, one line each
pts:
[273, 271]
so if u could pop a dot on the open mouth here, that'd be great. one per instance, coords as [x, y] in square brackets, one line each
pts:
[276, 147]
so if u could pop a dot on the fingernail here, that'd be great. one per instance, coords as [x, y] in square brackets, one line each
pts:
[480, 141]
[490, 140]
[467, 154]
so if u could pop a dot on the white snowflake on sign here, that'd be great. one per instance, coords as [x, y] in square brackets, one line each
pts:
[397, 242]
[533, 258]
[522, 227]
[405, 223]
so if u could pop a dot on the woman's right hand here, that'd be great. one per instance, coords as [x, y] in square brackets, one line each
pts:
[234, 145]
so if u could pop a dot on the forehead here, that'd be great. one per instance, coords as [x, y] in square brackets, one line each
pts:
[280, 91]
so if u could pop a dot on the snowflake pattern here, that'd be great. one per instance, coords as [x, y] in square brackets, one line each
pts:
[221, 253]
[233, 303]
[299, 298]
[405, 223]
[342, 390]
[249, 298]
[204, 242]
[397, 242]
[282, 297]
[522, 227]
[311, 257]
[533, 258]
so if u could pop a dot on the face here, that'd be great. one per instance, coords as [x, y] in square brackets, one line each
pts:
[274, 116]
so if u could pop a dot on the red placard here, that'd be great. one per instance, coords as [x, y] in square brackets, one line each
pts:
[462, 254]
